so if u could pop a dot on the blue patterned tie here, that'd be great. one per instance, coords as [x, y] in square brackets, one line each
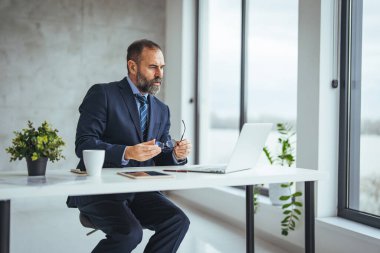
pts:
[143, 115]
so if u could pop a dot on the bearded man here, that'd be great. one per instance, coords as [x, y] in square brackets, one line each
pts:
[125, 119]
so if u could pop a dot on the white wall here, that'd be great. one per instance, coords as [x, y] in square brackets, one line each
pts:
[318, 102]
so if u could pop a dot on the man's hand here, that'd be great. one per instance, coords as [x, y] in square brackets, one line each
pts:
[182, 149]
[143, 151]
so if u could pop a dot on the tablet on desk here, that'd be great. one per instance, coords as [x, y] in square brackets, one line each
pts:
[145, 174]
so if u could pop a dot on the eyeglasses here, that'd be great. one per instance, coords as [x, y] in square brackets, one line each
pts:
[166, 146]
[170, 144]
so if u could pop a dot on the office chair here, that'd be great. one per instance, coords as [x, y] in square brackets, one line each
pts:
[85, 221]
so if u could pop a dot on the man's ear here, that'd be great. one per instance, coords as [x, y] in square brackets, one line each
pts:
[132, 67]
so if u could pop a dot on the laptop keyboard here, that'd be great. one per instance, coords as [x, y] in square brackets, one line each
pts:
[212, 169]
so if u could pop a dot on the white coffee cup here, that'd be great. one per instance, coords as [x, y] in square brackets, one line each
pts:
[93, 161]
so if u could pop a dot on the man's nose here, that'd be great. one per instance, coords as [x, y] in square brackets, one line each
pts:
[159, 73]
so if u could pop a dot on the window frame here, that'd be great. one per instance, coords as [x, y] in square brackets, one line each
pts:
[349, 114]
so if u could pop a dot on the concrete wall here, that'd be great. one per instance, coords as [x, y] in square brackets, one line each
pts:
[52, 51]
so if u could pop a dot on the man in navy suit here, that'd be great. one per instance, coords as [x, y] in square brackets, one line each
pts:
[111, 118]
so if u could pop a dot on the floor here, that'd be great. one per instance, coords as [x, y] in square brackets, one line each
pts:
[56, 229]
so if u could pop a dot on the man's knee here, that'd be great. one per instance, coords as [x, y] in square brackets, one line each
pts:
[186, 222]
[136, 235]
[181, 220]
[128, 235]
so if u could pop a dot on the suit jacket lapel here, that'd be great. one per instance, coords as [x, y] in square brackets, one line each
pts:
[130, 101]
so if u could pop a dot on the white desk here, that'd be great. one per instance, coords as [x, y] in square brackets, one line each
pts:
[17, 184]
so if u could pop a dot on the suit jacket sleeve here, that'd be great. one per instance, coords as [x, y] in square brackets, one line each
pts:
[92, 124]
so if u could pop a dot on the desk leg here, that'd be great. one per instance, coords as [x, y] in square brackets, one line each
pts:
[5, 217]
[309, 218]
[250, 240]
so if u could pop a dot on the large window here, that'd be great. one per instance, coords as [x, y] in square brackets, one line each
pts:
[219, 78]
[272, 64]
[271, 47]
[359, 185]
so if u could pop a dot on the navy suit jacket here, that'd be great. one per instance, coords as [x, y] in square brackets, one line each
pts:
[109, 120]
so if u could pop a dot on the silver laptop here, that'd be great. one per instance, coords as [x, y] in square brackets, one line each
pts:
[246, 153]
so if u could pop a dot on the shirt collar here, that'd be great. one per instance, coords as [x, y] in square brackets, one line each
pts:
[134, 88]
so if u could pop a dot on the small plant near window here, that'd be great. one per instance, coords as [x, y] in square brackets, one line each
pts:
[291, 207]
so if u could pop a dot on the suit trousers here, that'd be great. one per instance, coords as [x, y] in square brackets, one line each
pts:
[123, 221]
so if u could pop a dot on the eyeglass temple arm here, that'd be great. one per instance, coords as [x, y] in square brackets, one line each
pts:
[184, 129]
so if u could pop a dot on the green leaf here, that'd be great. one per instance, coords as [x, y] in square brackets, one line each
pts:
[268, 155]
[296, 203]
[285, 219]
[297, 194]
[284, 198]
[287, 212]
[297, 211]
[286, 205]
[35, 156]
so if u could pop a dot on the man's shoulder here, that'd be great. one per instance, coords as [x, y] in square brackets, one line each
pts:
[112, 85]
[108, 86]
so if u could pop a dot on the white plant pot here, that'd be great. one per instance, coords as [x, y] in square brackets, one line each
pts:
[276, 191]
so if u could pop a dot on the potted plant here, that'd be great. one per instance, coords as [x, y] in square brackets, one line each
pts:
[284, 194]
[36, 146]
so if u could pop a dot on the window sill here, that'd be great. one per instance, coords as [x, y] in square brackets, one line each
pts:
[349, 228]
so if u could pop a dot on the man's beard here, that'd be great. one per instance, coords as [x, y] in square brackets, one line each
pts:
[146, 86]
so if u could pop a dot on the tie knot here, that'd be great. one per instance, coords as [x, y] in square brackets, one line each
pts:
[142, 99]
